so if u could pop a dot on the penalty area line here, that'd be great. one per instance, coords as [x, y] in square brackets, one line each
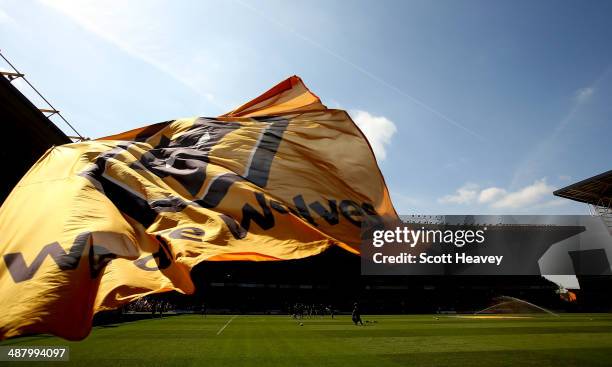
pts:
[226, 324]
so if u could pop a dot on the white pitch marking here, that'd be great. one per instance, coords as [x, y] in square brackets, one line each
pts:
[227, 323]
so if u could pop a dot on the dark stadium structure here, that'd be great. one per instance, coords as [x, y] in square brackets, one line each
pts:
[596, 190]
[23, 122]
[595, 293]
[334, 279]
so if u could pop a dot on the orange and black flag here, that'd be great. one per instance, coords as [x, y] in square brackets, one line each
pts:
[97, 224]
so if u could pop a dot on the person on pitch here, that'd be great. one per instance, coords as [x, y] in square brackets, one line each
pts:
[357, 315]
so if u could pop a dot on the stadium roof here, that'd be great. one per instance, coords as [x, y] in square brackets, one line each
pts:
[30, 134]
[591, 191]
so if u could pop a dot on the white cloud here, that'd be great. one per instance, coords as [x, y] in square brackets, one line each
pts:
[378, 130]
[490, 194]
[464, 195]
[527, 196]
[553, 203]
[536, 195]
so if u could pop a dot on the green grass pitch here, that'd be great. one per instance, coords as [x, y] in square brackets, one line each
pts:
[423, 340]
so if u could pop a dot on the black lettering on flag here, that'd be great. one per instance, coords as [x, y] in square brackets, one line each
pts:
[265, 220]
[218, 189]
[302, 210]
[369, 209]
[99, 257]
[186, 157]
[237, 231]
[279, 207]
[125, 200]
[20, 271]
[128, 202]
[163, 257]
[352, 212]
[170, 204]
[188, 233]
[331, 215]
[371, 216]
[258, 167]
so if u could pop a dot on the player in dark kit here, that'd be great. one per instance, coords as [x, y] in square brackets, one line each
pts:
[357, 315]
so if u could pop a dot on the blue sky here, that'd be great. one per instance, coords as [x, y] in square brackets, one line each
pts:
[473, 107]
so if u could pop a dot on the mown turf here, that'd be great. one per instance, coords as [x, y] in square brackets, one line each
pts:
[190, 340]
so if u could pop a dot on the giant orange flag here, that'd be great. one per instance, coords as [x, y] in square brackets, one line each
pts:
[97, 224]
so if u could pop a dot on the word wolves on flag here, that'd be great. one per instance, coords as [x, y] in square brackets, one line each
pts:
[97, 224]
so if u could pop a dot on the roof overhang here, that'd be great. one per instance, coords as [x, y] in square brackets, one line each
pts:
[594, 190]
